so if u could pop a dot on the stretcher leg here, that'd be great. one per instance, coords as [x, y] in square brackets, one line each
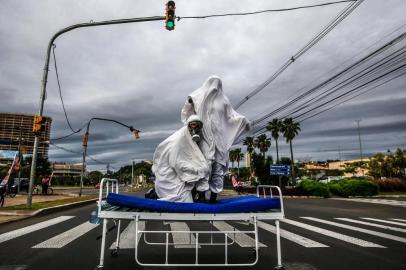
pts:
[103, 245]
[115, 251]
[278, 246]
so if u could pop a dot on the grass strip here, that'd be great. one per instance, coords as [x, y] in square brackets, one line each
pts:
[46, 204]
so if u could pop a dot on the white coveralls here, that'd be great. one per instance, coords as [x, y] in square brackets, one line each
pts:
[180, 164]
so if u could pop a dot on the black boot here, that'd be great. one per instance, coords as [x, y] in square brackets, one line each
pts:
[201, 196]
[213, 197]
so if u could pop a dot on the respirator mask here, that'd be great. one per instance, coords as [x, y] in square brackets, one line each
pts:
[195, 127]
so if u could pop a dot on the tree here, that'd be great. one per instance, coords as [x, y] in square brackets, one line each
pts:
[275, 127]
[263, 144]
[290, 129]
[249, 142]
[231, 156]
[238, 156]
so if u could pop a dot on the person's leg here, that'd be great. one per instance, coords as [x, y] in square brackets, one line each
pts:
[216, 181]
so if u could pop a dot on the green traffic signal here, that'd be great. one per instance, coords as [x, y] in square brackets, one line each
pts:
[170, 24]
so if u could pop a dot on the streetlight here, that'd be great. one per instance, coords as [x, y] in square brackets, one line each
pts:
[86, 137]
[45, 78]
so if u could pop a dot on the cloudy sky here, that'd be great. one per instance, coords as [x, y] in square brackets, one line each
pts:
[140, 74]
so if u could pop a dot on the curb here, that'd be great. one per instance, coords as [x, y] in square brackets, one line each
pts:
[24, 214]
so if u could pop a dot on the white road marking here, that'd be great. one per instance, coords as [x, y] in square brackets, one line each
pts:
[65, 238]
[376, 201]
[127, 236]
[32, 228]
[385, 221]
[242, 239]
[398, 219]
[13, 267]
[298, 239]
[373, 224]
[358, 229]
[182, 240]
[339, 236]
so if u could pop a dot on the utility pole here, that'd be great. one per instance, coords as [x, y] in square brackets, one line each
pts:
[20, 156]
[132, 174]
[45, 78]
[360, 144]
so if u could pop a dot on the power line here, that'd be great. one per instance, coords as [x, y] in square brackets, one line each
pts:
[69, 135]
[74, 152]
[351, 7]
[263, 11]
[367, 74]
[365, 83]
[333, 78]
[363, 92]
[60, 92]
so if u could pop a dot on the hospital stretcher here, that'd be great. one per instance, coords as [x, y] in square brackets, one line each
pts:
[116, 207]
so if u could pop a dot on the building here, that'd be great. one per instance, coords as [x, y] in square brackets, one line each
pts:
[66, 169]
[16, 130]
[325, 167]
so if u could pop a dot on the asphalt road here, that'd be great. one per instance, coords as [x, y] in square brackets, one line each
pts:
[372, 236]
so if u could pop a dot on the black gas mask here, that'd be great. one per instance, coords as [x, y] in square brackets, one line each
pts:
[195, 129]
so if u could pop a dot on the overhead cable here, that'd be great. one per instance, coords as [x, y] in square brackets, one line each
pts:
[263, 11]
[347, 11]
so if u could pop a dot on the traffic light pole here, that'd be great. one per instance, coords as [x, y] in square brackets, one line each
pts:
[45, 77]
[86, 139]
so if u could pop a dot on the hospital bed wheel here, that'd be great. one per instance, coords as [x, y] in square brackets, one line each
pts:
[114, 252]
[99, 267]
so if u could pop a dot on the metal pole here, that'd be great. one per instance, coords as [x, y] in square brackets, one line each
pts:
[360, 145]
[19, 158]
[45, 77]
[132, 174]
[84, 153]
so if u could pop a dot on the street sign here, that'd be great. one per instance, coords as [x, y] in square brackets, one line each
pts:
[280, 170]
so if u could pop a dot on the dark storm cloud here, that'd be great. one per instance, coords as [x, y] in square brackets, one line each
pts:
[140, 74]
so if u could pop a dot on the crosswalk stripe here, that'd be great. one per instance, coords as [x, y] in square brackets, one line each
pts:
[398, 219]
[127, 236]
[298, 239]
[358, 229]
[242, 239]
[339, 236]
[376, 201]
[373, 224]
[65, 238]
[385, 221]
[32, 228]
[182, 240]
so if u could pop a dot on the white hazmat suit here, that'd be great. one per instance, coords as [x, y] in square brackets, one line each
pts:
[180, 164]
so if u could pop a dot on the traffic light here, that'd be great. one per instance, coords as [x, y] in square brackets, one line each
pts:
[38, 124]
[85, 139]
[170, 16]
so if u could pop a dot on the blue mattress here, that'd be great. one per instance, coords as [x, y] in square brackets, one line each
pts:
[244, 204]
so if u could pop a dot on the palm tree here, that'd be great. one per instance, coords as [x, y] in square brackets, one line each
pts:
[238, 156]
[275, 127]
[290, 129]
[263, 144]
[249, 142]
[231, 156]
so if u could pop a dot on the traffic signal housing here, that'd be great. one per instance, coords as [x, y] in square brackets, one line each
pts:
[39, 123]
[170, 15]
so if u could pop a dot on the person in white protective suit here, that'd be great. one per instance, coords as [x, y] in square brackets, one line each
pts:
[180, 163]
[222, 125]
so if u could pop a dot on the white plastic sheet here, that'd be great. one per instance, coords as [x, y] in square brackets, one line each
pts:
[180, 164]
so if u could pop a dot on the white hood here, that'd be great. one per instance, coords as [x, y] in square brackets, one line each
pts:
[222, 125]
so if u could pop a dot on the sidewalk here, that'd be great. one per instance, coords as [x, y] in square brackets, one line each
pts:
[7, 215]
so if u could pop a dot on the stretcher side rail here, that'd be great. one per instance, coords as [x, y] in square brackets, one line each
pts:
[138, 215]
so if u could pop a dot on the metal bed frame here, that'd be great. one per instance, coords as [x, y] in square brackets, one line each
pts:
[107, 213]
